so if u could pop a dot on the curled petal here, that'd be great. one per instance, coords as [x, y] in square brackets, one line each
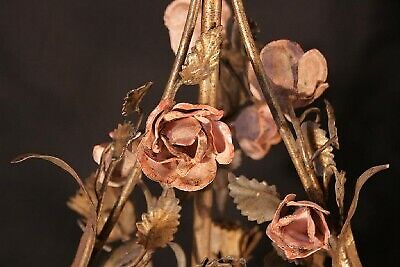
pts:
[224, 145]
[278, 212]
[312, 70]
[182, 132]
[98, 152]
[305, 203]
[184, 110]
[175, 17]
[278, 57]
[202, 147]
[198, 177]
[163, 171]
[162, 106]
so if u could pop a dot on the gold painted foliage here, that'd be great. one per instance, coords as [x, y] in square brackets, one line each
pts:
[203, 58]
[316, 136]
[345, 252]
[133, 99]
[256, 200]
[88, 239]
[128, 253]
[160, 223]
[126, 222]
[233, 240]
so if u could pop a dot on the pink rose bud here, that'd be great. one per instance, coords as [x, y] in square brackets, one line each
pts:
[256, 131]
[299, 228]
[175, 18]
[123, 168]
[295, 75]
[183, 143]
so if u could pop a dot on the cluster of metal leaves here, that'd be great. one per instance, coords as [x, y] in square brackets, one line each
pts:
[322, 146]
[204, 57]
[155, 230]
[107, 213]
[160, 223]
[125, 225]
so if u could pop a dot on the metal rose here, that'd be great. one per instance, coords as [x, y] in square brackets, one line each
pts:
[295, 75]
[175, 17]
[183, 143]
[256, 131]
[299, 228]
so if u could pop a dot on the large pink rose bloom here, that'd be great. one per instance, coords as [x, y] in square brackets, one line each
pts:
[183, 143]
[256, 131]
[175, 18]
[299, 228]
[295, 75]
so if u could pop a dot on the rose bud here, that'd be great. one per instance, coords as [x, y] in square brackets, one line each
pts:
[183, 143]
[256, 131]
[175, 18]
[299, 228]
[124, 166]
[297, 76]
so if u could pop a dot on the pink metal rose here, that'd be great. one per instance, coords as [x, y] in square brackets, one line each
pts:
[299, 228]
[175, 17]
[256, 131]
[298, 76]
[183, 143]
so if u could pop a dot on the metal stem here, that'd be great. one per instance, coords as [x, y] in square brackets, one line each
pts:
[310, 185]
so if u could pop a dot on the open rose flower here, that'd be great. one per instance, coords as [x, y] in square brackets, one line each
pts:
[183, 143]
[295, 75]
[175, 18]
[256, 131]
[299, 228]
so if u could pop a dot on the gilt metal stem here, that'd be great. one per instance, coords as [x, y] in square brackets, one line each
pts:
[203, 201]
[311, 186]
[171, 88]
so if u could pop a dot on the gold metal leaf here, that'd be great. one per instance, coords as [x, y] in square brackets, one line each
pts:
[133, 98]
[126, 221]
[360, 182]
[179, 254]
[331, 124]
[256, 200]
[340, 190]
[345, 254]
[203, 58]
[60, 163]
[126, 254]
[321, 146]
[160, 223]
[87, 242]
[233, 240]
[121, 136]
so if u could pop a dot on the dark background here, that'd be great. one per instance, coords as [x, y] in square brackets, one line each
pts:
[66, 65]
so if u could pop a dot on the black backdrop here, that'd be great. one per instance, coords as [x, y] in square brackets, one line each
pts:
[66, 65]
